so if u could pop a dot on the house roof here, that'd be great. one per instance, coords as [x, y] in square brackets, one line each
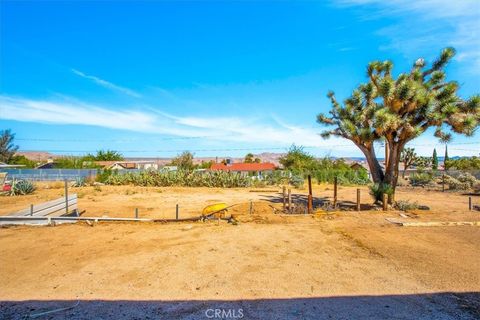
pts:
[105, 163]
[243, 166]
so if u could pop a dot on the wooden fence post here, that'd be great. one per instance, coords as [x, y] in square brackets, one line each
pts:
[136, 213]
[385, 202]
[358, 199]
[470, 203]
[289, 200]
[284, 189]
[176, 212]
[31, 209]
[335, 184]
[443, 182]
[66, 196]
[310, 196]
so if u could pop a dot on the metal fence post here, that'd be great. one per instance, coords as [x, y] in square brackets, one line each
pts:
[66, 196]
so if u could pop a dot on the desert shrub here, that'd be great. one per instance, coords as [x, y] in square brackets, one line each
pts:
[79, 182]
[464, 181]
[22, 187]
[405, 205]
[345, 176]
[421, 179]
[378, 189]
[476, 187]
[324, 170]
[188, 178]
[103, 175]
[467, 163]
[467, 178]
[280, 178]
[180, 178]
[297, 181]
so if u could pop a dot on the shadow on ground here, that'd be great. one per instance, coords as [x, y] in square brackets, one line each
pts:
[319, 202]
[445, 305]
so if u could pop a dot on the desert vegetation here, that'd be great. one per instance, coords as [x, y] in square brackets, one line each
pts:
[398, 110]
[299, 162]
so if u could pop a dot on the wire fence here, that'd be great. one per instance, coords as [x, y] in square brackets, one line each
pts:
[49, 174]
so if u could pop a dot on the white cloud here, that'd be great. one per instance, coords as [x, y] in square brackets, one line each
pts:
[427, 24]
[220, 129]
[107, 84]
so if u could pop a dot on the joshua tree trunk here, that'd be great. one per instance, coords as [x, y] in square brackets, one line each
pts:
[390, 176]
[373, 164]
[391, 170]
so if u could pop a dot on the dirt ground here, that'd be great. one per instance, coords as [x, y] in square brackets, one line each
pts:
[331, 265]
[153, 202]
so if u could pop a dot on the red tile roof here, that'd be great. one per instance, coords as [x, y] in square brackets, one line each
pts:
[243, 166]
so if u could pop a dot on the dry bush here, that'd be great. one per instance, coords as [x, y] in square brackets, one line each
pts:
[465, 181]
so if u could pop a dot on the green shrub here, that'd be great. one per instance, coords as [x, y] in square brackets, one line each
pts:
[79, 182]
[103, 175]
[22, 187]
[378, 189]
[180, 178]
[344, 176]
[421, 179]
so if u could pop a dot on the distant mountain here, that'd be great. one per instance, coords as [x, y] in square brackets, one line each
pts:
[39, 156]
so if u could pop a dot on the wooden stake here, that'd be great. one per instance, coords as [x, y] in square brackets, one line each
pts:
[66, 196]
[358, 199]
[31, 209]
[385, 202]
[284, 198]
[335, 186]
[251, 206]
[176, 212]
[310, 196]
[443, 182]
[136, 213]
[289, 200]
[470, 203]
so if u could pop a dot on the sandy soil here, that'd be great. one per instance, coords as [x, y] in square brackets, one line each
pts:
[333, 265]
[121, 201]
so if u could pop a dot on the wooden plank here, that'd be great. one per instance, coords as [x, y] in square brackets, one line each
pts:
[42, 220]
[434, 223]
[61, 211]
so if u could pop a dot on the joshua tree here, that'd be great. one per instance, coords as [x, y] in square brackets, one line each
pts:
[7, 147]
[434, 159]
[423, 163]
[408, 157]
[399, 110]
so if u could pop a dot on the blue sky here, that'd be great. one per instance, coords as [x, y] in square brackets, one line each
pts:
[220, 78]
